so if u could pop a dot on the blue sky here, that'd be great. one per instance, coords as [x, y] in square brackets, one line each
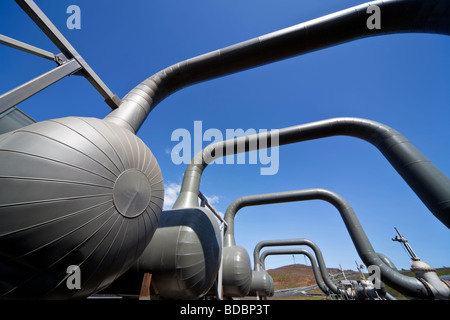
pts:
[402, 81]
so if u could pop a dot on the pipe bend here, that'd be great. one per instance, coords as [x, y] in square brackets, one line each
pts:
[287, 242]
[398, 16]
[316, 270]
[430, 184]
[409, 285]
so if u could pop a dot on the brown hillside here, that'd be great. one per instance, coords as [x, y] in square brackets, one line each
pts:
[296, 275]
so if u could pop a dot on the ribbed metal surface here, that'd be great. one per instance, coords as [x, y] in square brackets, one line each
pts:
[184, 254]
[62, 183]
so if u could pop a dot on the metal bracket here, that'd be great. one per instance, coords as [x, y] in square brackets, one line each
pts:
[44, 23]
[69, 62]
[23, 92]
[16, 44]
[408, 248]
[61, 59]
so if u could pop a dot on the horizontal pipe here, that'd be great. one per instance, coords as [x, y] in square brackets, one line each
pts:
[316, 271]
[402, 283]
[397, 16]
[425, 179]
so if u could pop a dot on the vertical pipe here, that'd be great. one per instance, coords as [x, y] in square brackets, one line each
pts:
[220, 273]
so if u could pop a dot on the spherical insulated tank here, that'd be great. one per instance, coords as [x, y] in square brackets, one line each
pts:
[262, 284]
[236, 271]
[74, 192]
[184, 254]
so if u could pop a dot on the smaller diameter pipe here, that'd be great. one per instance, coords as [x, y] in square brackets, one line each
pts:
[293, 242]
[316, 271]
[402, 283]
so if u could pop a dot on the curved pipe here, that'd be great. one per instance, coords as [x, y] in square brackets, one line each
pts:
[316, 271]
[409, 285]
[424, 178]
[386, 261]
[291, 242]
[397, 16]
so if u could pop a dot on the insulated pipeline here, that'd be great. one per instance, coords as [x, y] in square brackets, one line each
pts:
[316, 271]
[408, 285]
[425, 179]
[292, 242]
[397, 16]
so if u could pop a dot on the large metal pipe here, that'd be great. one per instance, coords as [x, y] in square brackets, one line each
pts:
[315, 268]
[317, 271]
[292, 242]
[425, 179]
[397, 16]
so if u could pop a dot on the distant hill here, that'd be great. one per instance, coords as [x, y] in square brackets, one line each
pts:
[297, 275]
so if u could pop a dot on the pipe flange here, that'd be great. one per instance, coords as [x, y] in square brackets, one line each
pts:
[428, 288]
[446, 282]
[413, 269]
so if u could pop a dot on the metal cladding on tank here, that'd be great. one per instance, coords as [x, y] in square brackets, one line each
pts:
[184, 254]
[236, 271]
[262, 284]
[67, 199]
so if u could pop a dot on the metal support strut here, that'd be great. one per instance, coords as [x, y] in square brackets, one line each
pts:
[69, 62]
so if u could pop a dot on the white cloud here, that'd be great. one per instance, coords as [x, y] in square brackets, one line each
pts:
[221, 214]
[171, 192]
[212, 199]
